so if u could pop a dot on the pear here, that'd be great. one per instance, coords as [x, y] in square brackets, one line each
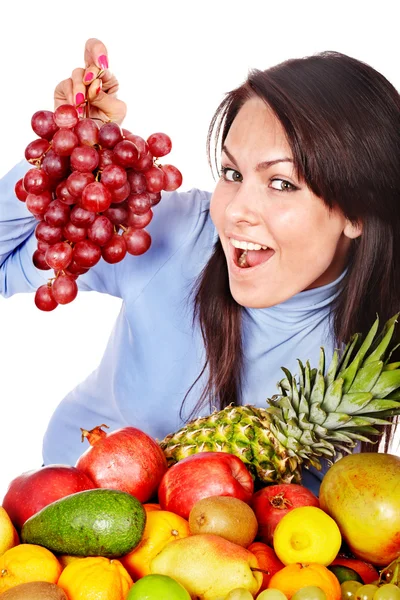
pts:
[208, 566]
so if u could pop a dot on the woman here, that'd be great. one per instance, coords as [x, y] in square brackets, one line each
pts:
[297, 248]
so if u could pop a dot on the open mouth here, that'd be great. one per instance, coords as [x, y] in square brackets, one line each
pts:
[246, 258]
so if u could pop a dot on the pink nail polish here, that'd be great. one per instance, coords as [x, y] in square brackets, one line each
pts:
[80, 111]
[89, 76]
[98, 90]
[103, 61]
[79, 98]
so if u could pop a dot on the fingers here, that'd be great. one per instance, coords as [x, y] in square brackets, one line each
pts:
[63, 93]
[96, 54]
[78, 90]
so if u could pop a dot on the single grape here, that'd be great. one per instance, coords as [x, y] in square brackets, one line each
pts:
[117, 213]
[44, 298]
[139, 221]
[349, 589]
[46, 233]
[42, 246]
[366, 592]
[87, 132]
[57, 213]
[271, 594]
[36, 181]
[126, 153]
[36, 149]
[86, 253]
[20, 191]
[43, 124]
[66, 116]
[138, 241]
[64, 142]
[63, 194]
[56, 167]
[74, 234]
[144, 162]
[388, 591]
[106, 157]
[113, 177]
[309, 592]
[137, 181]
[77, 181]
[114, 250]
[109, 135]
[239, 594]
[155, 197]
[172, 178]
[39, 260]
[38, 204]
[64, 289]
[58, 256]
[121, 194]
[84, 159]
[81, 217]
[159, 144]
[155, 179]
[139, 142]
[75, 269]
[139, 203]
[96, 197]
[101, 230]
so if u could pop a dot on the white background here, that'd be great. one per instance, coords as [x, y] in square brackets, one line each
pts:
[175, 60]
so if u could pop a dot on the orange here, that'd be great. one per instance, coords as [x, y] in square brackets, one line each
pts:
[8, 534]
[296, 576]
[150, 506]
[161, 528]
[27, 562]
[95, 578]
[67, 559]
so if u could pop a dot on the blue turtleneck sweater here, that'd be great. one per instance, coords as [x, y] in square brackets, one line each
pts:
[154, 353]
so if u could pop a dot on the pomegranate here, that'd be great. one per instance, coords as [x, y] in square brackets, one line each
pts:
[362, 494]
[126, 459]
[273, 502]
[30, 492]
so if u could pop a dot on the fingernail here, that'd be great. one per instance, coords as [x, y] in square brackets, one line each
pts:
[98, 90]
[103, 61]
[80, 111]
[89, 76]
[79, 98]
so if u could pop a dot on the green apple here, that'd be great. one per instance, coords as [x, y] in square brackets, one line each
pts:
[154, 587]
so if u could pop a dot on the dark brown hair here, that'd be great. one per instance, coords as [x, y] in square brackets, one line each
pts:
[342, 121]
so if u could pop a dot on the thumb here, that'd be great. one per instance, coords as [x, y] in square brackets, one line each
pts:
[111, 107]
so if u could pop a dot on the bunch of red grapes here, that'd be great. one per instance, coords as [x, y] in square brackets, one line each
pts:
[92, 190]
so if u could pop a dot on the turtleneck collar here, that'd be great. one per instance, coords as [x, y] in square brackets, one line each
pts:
[303, 305]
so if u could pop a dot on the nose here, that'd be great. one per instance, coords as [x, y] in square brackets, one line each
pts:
[242, 207]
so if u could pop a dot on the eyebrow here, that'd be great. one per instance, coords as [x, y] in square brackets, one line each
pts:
[262, 166]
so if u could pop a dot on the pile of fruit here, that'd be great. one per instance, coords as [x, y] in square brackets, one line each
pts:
[122, 525]
[92, 188]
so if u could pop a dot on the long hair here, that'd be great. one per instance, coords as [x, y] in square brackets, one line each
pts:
[342, 122]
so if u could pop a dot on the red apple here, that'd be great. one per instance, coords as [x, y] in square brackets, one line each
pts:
[202, 475]
[273, 502]
[126, 459]
[30, 492]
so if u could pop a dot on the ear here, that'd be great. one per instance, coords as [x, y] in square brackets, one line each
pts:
[353, 230]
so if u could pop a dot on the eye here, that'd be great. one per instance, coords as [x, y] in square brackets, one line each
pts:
[231, 175]
[283, 185]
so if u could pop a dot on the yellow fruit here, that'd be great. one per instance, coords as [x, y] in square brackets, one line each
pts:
[8, 535]
[95, 578]
[162, 527]
[25, 563]
[67, 559]
[292, 578]
[307, 535]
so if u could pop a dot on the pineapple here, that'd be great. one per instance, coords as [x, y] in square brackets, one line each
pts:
[319, 415]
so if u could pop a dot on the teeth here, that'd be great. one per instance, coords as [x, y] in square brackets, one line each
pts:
[247, 245]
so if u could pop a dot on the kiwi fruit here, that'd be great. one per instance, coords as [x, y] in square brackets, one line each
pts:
[226, 516]
[35, 590]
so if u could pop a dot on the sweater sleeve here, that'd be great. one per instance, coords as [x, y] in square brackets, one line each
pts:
[174, 220]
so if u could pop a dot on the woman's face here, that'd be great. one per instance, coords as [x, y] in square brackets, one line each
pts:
[278, 237]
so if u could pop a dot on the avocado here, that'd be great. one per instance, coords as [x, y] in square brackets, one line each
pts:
[98, 522]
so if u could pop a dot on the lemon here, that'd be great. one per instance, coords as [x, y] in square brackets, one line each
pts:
[8, 534]
[307, 535]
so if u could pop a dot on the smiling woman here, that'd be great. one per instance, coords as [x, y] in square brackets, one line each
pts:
[297, 248]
